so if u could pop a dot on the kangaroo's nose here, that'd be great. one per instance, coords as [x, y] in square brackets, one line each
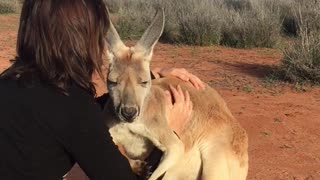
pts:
[129, 113]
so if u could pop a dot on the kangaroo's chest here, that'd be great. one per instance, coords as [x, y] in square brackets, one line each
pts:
[132, 136]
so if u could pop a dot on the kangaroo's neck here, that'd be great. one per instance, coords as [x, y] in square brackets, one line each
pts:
[154, 102]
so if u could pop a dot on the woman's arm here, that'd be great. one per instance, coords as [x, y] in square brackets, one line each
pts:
[90, 144]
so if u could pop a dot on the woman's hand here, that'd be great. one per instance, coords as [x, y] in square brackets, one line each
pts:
[180, 73]
[179, 111]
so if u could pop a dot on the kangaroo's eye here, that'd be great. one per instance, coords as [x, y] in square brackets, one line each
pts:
[144, 83]
[112, 83]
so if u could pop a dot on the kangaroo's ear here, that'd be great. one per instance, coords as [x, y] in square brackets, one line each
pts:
[113, 41]
[152, 35]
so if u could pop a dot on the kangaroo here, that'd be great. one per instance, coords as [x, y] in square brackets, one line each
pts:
[212, 145]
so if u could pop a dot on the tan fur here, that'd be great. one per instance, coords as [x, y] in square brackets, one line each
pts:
[212, 145]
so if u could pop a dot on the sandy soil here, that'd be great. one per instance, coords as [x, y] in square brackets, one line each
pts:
[282, 121]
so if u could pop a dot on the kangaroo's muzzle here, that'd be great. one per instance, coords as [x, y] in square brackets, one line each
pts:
[128, 114]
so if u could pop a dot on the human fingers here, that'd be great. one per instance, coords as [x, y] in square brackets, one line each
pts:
[182, 70]
[187, 99]
[156, 72]
[196, 82]
[183, 74]
[176, 95]
[190, 109]
[180, 92]
[168, 99]
[180, 75]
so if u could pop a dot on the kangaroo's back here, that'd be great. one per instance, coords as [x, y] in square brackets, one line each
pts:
[212, 124]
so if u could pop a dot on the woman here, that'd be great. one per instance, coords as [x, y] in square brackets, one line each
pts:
[49, 117]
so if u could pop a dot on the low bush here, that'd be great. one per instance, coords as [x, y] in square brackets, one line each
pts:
[202, 27]
[236, 23]
[302, 60]
[8, 6]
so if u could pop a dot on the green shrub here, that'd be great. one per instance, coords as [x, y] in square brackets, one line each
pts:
[289, 20]
[8, 6]
[131, 24]
[256, 24]
[302, 61]
[132, 17]
[202, 27]
[237, 23]
[238, 5]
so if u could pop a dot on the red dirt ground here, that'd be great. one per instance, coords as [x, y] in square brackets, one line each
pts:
[282, 121]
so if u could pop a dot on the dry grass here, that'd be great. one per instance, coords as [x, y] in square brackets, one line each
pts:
[302, 61]
[236, 23]
[9, 6]
[201, 28]
[252, 24]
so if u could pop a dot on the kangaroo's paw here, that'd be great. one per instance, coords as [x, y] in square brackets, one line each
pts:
[138, 166]
[170, 158]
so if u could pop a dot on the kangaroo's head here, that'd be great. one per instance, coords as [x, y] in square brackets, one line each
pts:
[129, 78]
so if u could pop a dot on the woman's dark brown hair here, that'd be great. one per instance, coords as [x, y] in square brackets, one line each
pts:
[61, 41]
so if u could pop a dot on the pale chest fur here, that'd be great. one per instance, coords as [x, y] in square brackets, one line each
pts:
[132, 136]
